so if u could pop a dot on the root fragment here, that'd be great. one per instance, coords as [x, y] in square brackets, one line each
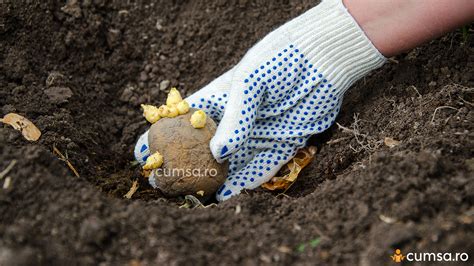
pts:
[441, 108]
[132, 190]
[364, 141]
[66, 160]
[8, 169]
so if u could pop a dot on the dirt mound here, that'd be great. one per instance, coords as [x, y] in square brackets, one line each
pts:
[80, 72]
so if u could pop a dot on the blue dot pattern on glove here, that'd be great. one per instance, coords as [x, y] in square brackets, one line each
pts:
[214, 106]
[141, 150]
[286, 100]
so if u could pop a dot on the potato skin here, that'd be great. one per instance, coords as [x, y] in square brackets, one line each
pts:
[188, 166]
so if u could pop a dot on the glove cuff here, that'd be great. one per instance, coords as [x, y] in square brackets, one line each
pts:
[333, 41]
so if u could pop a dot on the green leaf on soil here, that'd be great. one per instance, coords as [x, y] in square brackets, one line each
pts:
[301, 247]
[315, 242]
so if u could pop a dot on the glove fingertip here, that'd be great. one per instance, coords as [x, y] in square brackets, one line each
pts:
[223, 149]
[225, 192]
[141, 150]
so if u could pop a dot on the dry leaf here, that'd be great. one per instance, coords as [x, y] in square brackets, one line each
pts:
[291, 170]
[132, 190]
[390, 142]
[20, 123]
[146, 173]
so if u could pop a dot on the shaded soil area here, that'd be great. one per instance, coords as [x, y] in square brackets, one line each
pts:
[80, 72]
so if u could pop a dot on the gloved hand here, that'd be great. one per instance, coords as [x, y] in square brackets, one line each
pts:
[288, 87]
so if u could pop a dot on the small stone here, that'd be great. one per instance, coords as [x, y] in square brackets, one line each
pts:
[72, 8]
[148, 68]
[58, 95]
[158, 25]
[164, 85]
[143, 76]
[162, 57]
[55, 79]
[127, 94]
[432, 83]
[155, 69]
[180, 43]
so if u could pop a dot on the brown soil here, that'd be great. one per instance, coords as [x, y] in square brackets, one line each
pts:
[359, 198]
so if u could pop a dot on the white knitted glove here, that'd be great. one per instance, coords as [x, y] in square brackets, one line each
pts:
[288, 87]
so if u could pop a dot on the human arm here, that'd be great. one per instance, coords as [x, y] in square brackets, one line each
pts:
[396, 26]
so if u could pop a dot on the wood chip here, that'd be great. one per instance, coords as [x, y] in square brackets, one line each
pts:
[386, 219]
[22, 124]
[7, 182]
[132, 190]
[390, 142]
